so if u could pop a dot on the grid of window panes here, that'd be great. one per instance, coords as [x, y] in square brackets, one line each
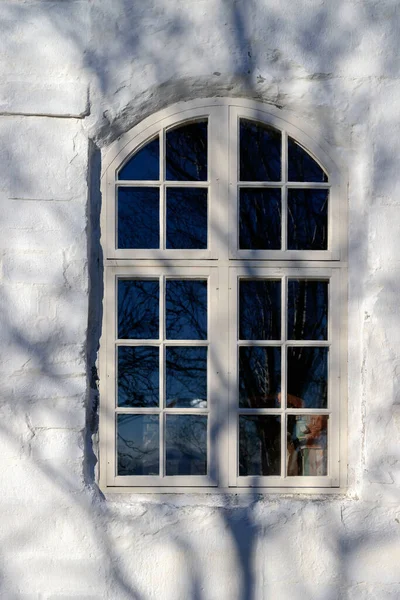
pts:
[162, 383]
[274, 212]
[162, 347]
[162, 192]
[282, 367]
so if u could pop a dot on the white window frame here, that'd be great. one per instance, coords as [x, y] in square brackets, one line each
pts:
[222, 264]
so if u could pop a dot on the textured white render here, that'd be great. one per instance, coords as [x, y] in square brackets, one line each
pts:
[73, 76]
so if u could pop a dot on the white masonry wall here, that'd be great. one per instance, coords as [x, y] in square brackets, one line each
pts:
[73, 76]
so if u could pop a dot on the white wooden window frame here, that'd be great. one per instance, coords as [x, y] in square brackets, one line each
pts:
[222, 263]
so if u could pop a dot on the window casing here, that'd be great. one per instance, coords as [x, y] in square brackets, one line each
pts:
[273, 416]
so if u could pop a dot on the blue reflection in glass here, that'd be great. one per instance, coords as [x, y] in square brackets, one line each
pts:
[259, 445]
[187, 218]
[186, 377]
[144, 165]
[186, 309]
[259, 377]
[260, 219]
[259, 309]
[186, 445]
[138, 217]
[260, 152]
[307, 385]
[138, 306]
[301, 166]
[307, 219]
[307, 309]
[138, 445]
[186, 152]
[138, 376]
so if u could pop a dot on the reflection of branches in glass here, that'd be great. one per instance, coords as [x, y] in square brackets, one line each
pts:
[260, 152]
[307, 219]
[138, 376]
[186, 445]
[186, 152]
[138, 217]
[259, 445]
[307, 309]
[259, 377]
[259, 309]
[186, 309]
[301, 166]
[138, 307]
[260, 219]
[186, 376]
[187, 218]
[307, 377]
[138, 445]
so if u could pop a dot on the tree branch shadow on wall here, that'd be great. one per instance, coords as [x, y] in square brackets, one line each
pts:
[258, 521]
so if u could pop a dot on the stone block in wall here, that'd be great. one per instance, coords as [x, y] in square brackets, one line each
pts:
[47, 158]
[42, 224]
[39, 268]
[57, 445]
[64, 98]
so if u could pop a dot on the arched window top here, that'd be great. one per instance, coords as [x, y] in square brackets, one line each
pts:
[273, 184]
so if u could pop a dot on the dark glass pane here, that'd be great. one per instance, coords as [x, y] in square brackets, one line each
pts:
[260, 219]
[307, 385]
[259, 445]
[259, 309]
[186, 309]
[186, 152]
[187, 218]
[138, 217]
[307, 309]
[186, 445]
[138, 306]
[302, 167]
[138, 376]
[138, 445]
[186, 377]
[307, 452]
[307, 219]
[259, 377]
[260, 152]
[144, 165]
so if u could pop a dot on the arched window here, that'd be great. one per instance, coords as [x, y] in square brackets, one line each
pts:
[222, 360]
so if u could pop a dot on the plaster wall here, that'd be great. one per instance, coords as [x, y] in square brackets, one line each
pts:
[73, 76]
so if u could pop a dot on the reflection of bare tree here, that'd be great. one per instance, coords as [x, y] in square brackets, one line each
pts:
[138, 445]
[259, 377]
[186, 376]
[259, 445]
[138, 376]
[307, 219]
[187, 218]
[186, 152]
[138, 307]
[259, 309]
[186, 446]
[260, 152]
[260, 219]
[186, 309]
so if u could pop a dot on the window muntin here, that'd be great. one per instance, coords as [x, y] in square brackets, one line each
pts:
[267, 200]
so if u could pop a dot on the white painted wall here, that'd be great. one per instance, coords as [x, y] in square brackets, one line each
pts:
[73, 75]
